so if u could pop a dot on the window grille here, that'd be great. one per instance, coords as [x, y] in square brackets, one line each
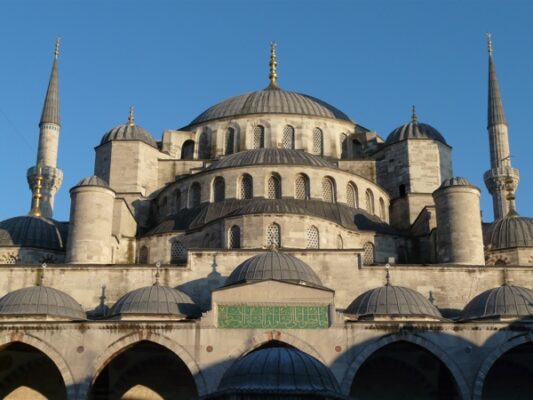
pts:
[351, 195]
[195, 195]
[288, 137]
[178, 253]
[382, 214]
[274, 187]
[259, 137]
[369, 254]
[230, 141]
[301, 190]
[273, 236]
[10, 260]
[219, 189]
[204, 150]
[187, 150]
[247, 187]
[328, 190]
[313, 241]
[143, 255]
[234, 239]
[370, 201]
[318, 141]
[340, 242]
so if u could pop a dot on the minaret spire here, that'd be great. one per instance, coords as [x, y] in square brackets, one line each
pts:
[273, 76]
[45, 178]
[502, 179]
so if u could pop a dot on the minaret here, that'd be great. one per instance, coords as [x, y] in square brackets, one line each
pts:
[44, 173]
[502, 177]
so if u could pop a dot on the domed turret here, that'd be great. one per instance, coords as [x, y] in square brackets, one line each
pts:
[274, 265]
[40, 302]
[504, 302]
[414, 130]
[129, 131]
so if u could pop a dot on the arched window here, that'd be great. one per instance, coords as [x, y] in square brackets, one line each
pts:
[143, 255]
[219, 189]
[177, 200]
[288, 137]
[382, 213]
[318, 141]
[178, 253]
[187, 150]
[340, 242]
[247, 187]
[229, 142]
[204, 150]
[344, 146]
[301, 188]
[234, 237]
[328, 190]
[312, 236]
[369, 256]
[274, 187]
[259, 137]
[273, 236]
[370, 201]
[195, 194]
[352, 195]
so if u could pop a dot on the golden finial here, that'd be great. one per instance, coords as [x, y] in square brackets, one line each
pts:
[413, 115]
[131, 117]
[56, 51]
[489, 42]
[273, 65]
[37, 195]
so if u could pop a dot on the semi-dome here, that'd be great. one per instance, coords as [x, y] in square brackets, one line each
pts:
[129, 132]
[271, 156]
[32, 231]
[156, 300]
[270, 101]
[414, 130]
[392, 301]
[40, 301]
[274, 265]
[510, 231]
[506, 301]
[278, 372]
[93, 181]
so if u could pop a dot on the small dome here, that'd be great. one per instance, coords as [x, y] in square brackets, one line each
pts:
[93, 181]
[129, 132]
[392, 301]
[510, 231]
[455, 181]
[40, 300]
[30, 231]
[279, 372]
[274, 265]
[505, 301]
[270, 101]
[156, 300]
[270, 157]
[414, 130]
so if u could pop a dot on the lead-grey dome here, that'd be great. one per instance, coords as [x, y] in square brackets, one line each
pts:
[156, 300]
[455, 181]
[279, 372]
[41, 301]
[414, 130]
[129, 132]
[270, 157]
[510, 231]
[93, 180]
[270, 101]
[506, 301]
[274, 265]
[30, 231]
[393, 301]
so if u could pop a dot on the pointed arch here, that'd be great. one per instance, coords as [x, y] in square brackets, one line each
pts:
[234, 237]
[258, 137]
[369, 196]
[195, 195]
[382, 210]
[204, 146]
[369, 253]
[312, 237]
[318, 141]
[328, 190]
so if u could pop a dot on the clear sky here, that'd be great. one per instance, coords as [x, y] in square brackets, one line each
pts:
[173, 59]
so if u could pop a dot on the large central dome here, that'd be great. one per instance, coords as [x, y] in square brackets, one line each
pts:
[272, 100]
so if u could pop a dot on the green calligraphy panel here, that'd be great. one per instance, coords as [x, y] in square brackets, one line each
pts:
[237, 316]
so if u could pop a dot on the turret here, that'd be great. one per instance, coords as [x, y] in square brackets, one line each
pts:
[459, 235]
[46, 164]
[91, 222]
[502, 176]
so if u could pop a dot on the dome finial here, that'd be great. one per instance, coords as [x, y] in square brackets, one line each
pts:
[413, 114]
[56, 50]
[273, 76]
[41, 277]
[131, 116]
[505, 277]
[510, 188]
[387, 275]
[489, 43]
[157, 275]
[37, 194]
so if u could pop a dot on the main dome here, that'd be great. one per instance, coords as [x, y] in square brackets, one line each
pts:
[271, 101]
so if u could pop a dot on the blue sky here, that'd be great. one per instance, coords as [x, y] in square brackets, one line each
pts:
[173, 59]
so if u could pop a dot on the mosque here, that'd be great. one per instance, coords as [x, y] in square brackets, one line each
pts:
[273, 248]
